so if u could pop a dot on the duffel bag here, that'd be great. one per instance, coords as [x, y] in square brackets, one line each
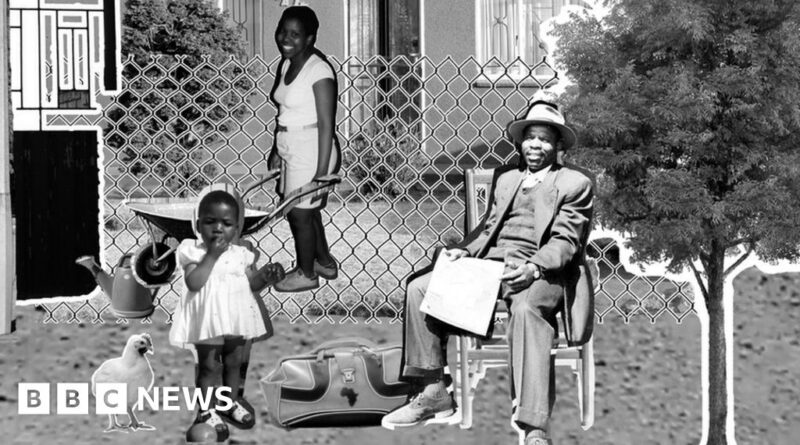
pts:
[346, 382]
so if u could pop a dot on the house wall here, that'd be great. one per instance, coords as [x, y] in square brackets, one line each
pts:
[449, 26]
[330, 39]
[449, 29]
[260, 18]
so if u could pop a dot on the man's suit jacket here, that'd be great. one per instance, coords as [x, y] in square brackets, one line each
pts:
[563, 219]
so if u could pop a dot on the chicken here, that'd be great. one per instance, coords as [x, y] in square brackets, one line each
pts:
[132, 368]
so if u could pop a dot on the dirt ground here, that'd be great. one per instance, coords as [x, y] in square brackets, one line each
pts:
[648, 380]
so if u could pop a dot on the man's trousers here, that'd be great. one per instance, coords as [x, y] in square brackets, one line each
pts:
[531, 331]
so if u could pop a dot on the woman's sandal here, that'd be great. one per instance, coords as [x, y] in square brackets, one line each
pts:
[239, 415]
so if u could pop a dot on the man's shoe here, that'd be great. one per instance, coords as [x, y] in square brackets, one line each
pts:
[420, 408]
[329, 272]
[296, 281]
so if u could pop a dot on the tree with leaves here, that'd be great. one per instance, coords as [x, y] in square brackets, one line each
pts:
[185, 39]
[690, 109]
[179, 27]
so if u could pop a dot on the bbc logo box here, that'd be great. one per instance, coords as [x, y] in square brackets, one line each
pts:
[71, 398]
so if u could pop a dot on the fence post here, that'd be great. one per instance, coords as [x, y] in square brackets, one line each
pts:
[7, 255]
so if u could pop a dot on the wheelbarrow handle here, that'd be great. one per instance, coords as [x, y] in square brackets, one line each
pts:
[271, 174]
[332, 178]
[313, 188]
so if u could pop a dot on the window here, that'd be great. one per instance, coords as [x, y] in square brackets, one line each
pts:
[508, 30]
[390, 29]
[382, 27]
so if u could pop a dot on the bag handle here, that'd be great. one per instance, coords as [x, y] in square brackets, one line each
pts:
[345, 342]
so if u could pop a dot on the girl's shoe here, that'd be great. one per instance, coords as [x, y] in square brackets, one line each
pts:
[212, 419]
[239, 416]
[296, 281]
[329, 272]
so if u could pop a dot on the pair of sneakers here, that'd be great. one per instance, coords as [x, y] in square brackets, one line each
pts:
[296, 281]
[423, 407]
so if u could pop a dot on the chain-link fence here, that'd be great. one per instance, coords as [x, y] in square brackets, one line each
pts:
[408, 129]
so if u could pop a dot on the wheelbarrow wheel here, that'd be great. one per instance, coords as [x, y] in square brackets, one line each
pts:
[148, 270]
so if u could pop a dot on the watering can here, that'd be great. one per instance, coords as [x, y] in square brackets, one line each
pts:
[129, 299]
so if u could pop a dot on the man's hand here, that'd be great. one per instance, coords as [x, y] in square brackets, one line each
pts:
[454, 254]
[518, 277]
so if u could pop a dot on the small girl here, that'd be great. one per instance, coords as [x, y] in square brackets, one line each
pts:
[218, 313]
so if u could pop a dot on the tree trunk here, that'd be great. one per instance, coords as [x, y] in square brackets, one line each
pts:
[717, 369]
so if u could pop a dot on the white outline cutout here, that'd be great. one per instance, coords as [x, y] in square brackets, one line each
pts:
[31, 46]
[625, 254]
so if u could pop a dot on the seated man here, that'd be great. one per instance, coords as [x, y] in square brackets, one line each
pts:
[538, 223]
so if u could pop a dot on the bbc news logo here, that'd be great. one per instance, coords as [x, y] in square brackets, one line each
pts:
[112, 398]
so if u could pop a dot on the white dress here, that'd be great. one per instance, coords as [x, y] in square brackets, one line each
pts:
[225, 306]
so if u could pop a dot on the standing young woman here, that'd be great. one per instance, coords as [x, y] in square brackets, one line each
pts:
[306, 146]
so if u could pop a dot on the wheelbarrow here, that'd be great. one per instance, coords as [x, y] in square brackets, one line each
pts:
[154, 264]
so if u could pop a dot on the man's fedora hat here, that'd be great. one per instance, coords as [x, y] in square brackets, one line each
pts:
[542, 113]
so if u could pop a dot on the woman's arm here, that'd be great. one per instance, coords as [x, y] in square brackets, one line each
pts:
[274, 160]
[325, 101]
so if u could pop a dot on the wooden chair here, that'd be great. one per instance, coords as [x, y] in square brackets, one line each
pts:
[475, 356]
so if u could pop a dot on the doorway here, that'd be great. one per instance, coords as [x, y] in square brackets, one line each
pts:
[55, 200]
